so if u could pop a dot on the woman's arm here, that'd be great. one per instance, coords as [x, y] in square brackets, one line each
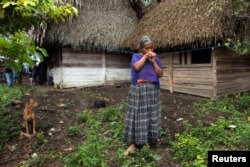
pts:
[151, 57]
[139, 64]
[158, 69]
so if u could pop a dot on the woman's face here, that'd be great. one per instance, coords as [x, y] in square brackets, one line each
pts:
[147, 48]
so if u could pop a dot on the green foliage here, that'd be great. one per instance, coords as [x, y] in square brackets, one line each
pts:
[84, 116]
[143, 158]
[7, 94]
[239, 47]
[237, 106]
[189, 147]
[8, 120]
[44, 93]
[18, 48]
[188, 150]
[69, 114]
[8, 126]
[41, 160]
[103, 144]
[67, 104]
[235, 8]
[242, 103]
[41, 141]
[19, 16]
[104, 133]
[149, 155]
[74, 130]
[23, 14]
[109, 115]
[88, 154]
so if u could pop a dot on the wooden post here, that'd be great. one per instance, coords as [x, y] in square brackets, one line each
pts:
[171, 83]
[104, 67]
[213, 59]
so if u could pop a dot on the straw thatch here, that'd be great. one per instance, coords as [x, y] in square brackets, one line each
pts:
[187, 23]
[102, 23]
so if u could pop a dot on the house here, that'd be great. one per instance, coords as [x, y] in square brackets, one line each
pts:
[86, 51]
[188, 37]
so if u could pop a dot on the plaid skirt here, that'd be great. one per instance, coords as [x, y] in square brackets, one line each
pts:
[143, 117]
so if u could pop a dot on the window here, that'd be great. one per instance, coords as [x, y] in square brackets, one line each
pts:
[183, 58]
[201, 56]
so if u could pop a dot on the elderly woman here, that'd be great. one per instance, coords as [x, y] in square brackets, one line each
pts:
[143, 117]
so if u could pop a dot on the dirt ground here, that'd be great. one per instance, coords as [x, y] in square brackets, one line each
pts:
[55, 104]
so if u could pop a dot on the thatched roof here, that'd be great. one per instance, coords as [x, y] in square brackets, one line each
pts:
[102, 23]
[187, 23]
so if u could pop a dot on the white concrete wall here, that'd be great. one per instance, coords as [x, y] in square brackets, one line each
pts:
[68, 77]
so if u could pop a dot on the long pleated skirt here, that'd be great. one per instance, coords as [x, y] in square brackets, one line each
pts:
[143, 117]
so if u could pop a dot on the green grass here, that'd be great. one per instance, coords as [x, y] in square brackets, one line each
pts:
[191, 146]
[7, 94]
[104, 145]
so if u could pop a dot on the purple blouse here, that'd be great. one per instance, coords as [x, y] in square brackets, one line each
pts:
[147, 72]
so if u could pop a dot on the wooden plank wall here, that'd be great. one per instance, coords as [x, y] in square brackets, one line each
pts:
[117, 68]
[190, 79]
[165, 62]
[81, 68]
[233, 72]
[91, 68]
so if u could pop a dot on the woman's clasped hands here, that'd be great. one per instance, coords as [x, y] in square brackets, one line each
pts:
[151, 56]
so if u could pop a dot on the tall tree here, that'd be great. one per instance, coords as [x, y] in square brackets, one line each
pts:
[238, 10]
[17, 17]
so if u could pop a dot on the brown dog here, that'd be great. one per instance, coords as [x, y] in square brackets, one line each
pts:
[29, 115]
